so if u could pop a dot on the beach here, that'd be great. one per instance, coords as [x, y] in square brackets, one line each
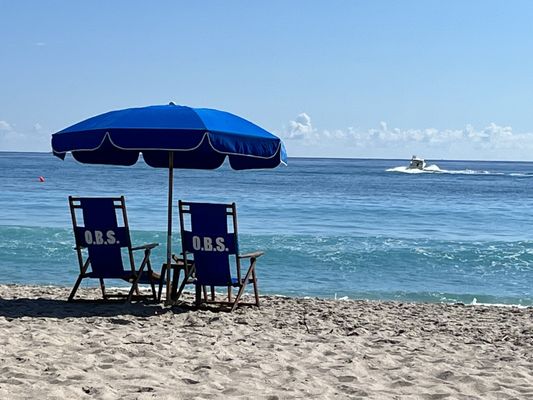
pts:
[288, 348]
[364, 168]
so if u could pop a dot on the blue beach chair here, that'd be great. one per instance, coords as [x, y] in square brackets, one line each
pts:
[205, 235]
[99, 245]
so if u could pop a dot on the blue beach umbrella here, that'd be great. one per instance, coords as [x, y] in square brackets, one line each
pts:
[170, 136]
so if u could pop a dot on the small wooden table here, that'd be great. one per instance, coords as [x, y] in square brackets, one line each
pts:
[177, 266]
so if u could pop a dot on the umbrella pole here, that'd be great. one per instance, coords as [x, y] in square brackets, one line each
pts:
[169, 227]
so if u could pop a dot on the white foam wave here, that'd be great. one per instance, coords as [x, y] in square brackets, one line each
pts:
[476, 303]
[434, 168]
[521, 174]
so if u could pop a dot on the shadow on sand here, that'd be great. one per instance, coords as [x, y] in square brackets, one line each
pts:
[49, 308]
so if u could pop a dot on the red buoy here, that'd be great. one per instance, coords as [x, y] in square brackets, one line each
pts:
[41, 179]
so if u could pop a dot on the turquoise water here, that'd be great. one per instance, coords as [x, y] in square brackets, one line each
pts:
[460, 231]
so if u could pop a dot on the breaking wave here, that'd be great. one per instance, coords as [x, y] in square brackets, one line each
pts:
[434, 169]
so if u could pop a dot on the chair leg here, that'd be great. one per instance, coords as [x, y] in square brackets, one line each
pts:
[204, 288]
[198, 296]
[75, 288]
[185, 279]
[230, 291]
[175, 280]
[243, 285]
[154, 295]
[239, 294]
[256, 290]
[161, 280]
[102, 287]
[135, 283]
[174, 286]
[134, 289]
[212, 293]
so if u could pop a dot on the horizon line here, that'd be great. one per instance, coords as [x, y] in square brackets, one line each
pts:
[325, 158]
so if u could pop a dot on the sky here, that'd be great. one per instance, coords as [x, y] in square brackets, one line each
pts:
[446, 79]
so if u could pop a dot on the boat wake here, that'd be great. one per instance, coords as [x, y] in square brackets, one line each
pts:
[434, 169]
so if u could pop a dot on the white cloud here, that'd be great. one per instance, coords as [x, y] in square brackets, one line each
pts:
[300, 128]
[5, 127]
[493, 142]
[30, 139]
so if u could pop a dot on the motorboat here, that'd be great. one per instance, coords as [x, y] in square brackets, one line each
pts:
[417, 163]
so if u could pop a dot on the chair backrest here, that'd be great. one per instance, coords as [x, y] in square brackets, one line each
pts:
[101, 234]
[205, 234]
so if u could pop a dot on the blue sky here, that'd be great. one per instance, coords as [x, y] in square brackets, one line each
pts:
[443, 79]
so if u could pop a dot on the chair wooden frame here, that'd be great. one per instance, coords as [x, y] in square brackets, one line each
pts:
[190, 268]
[136, 274]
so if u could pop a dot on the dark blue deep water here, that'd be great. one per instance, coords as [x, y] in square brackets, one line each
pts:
[461, 231]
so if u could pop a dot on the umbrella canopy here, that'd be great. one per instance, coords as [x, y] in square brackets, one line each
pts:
[200, 138]
[170, 136]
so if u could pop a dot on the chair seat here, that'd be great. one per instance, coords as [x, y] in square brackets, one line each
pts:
[128, 276]
[145, 278]
[234, 282]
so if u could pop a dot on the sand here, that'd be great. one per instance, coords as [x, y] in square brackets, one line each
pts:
[289, 348]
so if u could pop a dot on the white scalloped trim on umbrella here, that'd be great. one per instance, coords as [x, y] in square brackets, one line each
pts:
[206, 134]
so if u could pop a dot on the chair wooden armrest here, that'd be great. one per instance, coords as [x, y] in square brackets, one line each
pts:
[177, 263]
[158, 277]
[255, 254]
[148, 246]
[181, 260]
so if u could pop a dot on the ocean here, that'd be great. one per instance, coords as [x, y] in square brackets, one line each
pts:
[461, 231]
